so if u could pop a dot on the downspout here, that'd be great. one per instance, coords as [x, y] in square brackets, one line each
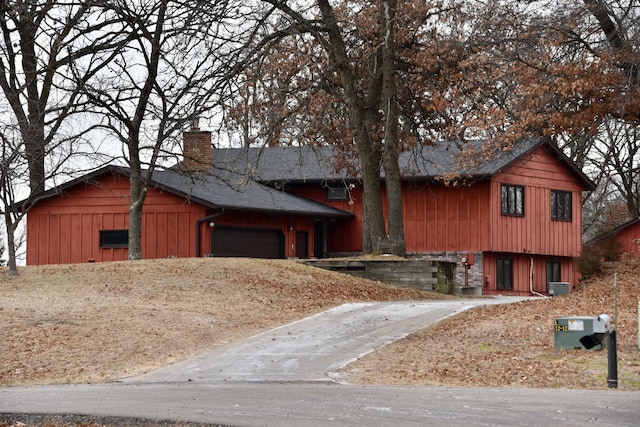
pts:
[531, 280]
[199, 222]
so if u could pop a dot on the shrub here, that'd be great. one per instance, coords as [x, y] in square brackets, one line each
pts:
[607, 249]
[590, 262]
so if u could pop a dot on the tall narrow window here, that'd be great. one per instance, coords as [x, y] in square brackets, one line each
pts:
[561, 206]
[114, 238]
[554, 272]
[504, 273]
[512, 200]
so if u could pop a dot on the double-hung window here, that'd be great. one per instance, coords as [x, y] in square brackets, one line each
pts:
[561, 206]
[512, 200]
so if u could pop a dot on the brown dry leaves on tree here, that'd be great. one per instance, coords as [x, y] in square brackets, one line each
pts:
[553, 73]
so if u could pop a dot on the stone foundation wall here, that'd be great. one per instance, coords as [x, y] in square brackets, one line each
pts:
[430, 275]
[472, 278]
[463, 281]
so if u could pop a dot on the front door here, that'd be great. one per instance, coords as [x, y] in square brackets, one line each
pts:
[302, 244]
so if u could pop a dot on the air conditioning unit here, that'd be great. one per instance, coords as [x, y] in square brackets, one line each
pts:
[559, 288]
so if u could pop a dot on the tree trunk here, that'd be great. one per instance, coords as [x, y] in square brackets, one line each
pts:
[395, 238]
[31, 120]
[34, 138]
[138, 183]
[35, 152]
[137, 195]
[373, 228]
[362, 121]
[11, 244]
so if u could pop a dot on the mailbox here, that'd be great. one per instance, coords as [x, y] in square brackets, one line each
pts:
[601, 327]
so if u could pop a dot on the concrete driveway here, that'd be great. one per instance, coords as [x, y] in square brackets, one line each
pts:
[312, 348]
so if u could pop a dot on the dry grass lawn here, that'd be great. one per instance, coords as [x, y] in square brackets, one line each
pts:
[512, 345]
[100, 322]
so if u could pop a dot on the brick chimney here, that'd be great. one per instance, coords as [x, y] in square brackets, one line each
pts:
[197, 150]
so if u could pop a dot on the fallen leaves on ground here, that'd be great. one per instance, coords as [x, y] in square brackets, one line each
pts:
[98, 322]
[513, 345]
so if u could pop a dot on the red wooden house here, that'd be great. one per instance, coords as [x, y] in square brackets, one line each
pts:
[627, 235]
[87, 219]
[516, 220]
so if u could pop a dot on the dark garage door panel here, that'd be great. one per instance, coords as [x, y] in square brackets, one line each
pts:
[247, 242]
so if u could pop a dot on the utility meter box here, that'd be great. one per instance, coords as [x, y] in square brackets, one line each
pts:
[567, 331]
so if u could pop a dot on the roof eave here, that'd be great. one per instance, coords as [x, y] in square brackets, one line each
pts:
[614, 231]
[584, 179]
[337, 215]
[59, 190]
[547, 143]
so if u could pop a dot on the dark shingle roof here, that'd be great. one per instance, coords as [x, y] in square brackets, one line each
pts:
[233, 191]
[274, 164]
[614, 231]
[239, 174]
[229, 191]
[317, 164]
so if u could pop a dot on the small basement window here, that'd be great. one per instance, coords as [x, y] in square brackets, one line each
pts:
[339, 193]
[114, 238]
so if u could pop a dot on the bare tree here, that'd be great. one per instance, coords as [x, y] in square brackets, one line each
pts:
[13, 173]
[41, 41]
[616, 160]
[166, 76]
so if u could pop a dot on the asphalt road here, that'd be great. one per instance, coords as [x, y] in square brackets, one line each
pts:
[284, 377]
[322, 404]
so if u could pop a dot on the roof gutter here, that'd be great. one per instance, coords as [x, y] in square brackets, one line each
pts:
[199, 223]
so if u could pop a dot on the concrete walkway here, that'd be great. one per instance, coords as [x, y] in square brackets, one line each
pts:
[311, 348]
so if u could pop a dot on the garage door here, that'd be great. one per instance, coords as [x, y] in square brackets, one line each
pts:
[247, 242]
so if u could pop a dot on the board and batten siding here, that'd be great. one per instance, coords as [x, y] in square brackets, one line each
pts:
[536, 232]
[524, 277]
[343, 236]
[629, 239]
[66, 229]
[438, 218]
